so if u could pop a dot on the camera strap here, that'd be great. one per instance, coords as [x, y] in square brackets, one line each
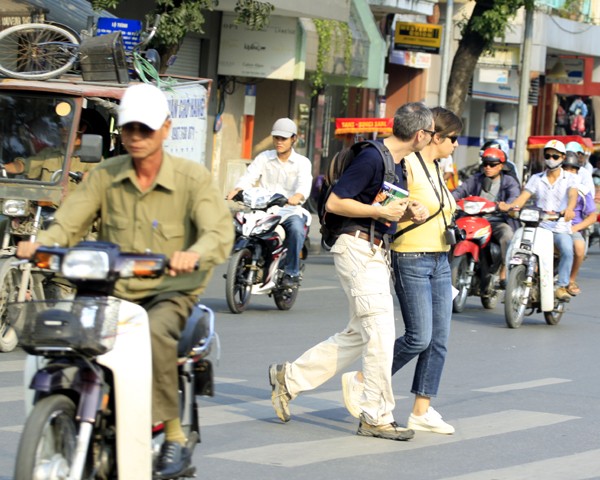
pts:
[439, 195]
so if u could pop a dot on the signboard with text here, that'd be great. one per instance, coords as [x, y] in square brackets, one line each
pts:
[269, 53]
[130, 29]
[189, 120]
[418, 37]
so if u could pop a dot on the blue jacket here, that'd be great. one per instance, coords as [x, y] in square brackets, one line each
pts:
[509, 190]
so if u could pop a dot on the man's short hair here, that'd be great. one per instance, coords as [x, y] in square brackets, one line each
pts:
[410, 118]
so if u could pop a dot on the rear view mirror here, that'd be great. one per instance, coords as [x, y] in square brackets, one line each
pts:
[90, 150]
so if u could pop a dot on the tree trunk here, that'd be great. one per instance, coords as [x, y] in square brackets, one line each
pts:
[166, 52]
[470, 47]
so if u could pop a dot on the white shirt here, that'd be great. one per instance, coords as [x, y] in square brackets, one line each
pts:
[553, 197]
[585, 177]
[288, 178]
[446, 164]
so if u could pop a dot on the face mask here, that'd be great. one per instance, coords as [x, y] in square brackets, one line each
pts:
[553, 164]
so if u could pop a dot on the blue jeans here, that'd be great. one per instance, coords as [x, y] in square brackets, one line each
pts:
[564, 243]
[294, 240]
[424, 289]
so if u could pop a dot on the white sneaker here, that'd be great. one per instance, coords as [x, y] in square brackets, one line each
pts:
[431, 421]
[352, 390]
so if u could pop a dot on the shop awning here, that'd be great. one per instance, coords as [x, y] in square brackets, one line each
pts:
[344, 126]
[368, 51]
[538, 141]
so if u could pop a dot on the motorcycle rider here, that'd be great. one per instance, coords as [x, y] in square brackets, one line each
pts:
[585, 215]
[152, 200]
[585, 175]
[283, 170]
[555, 191]
[496, 185]
[501, 144]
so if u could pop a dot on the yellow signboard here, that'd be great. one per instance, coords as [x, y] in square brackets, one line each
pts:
[418, 37]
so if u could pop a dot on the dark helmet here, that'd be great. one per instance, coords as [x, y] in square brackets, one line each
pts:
[493, 155]
[571, 160]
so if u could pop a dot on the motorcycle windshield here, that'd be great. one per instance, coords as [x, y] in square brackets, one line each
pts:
[35, 130]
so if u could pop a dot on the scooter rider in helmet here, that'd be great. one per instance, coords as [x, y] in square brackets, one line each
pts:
[494, 184]
[508, 166]
[585, 175]
[555, 191]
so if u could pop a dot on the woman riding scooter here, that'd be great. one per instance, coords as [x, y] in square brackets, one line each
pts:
[495, 184]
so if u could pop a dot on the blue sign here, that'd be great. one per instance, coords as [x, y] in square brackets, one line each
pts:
[130, 29]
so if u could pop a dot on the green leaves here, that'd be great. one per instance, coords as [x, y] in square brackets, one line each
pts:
[252, 13]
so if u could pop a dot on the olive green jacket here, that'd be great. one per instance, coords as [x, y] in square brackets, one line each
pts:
[183, 210]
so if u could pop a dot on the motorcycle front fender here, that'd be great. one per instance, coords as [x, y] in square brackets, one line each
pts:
[240, 243]
[465, 246]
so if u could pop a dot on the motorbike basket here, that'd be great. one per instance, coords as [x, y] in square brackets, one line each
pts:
[86, 326]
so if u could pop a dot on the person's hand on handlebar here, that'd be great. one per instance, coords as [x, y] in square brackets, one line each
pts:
[26, 249]
[183, 262]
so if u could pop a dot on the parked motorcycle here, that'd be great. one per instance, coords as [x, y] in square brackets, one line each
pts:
[476, 260]
[530, 276]
[259, 251]
[89, 397]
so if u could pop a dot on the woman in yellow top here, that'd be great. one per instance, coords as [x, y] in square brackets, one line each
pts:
[422, 274]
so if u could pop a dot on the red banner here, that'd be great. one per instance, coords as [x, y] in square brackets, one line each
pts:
[363, 125]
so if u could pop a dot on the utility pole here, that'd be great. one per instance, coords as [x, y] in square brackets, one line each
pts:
[522, 123]
[446, 49]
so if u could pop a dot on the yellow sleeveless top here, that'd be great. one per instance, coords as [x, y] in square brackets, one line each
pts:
[428, 237]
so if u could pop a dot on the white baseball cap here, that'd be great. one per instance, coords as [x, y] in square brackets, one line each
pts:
[556, 145]
[284, 127]
[144, 103]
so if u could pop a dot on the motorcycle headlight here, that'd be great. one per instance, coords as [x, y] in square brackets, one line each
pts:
[85, 265]
[15, 208]
[265, 225]
[529, 215]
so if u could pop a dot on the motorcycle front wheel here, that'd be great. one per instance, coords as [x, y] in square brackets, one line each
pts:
[461, 281]
[48, 440]
[553, 317]
[514, 298]
[238, 287]
[285, 298]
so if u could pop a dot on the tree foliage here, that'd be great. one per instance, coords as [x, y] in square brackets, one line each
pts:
[488, 22]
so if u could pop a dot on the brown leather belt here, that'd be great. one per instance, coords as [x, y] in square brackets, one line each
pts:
[377, 241]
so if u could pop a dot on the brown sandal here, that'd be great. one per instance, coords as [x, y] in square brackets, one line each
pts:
[573, 289]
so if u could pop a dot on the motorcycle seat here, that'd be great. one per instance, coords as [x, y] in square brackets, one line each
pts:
[198, 332]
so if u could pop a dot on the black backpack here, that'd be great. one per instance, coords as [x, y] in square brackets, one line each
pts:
[332, 225]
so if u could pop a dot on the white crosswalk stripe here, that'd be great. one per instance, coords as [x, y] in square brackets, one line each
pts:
[295, 454]
[579, 466]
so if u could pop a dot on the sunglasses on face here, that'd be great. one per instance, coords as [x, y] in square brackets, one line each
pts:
[491, 164]
[554, 156]
[130, 128]
[453, 138]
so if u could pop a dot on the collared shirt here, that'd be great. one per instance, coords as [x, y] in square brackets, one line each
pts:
[182, 210]
[553, 197]
[288, 178]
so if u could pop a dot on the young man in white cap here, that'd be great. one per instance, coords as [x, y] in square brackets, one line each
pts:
[151, 200]
[284, 171]
[555, 191]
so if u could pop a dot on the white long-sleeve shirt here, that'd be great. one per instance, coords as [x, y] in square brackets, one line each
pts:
[288, 178]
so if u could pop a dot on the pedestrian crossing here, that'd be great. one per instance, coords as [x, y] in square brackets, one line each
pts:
[233, 407]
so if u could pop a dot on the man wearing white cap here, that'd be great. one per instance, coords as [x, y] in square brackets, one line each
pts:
[151, 200]
[284, 171]
[555, 191]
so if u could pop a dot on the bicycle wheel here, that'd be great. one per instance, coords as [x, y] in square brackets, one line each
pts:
[35, 51]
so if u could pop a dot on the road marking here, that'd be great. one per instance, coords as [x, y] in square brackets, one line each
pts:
[542, 382]
[305, 453]
[579, 466]
[11, 394]
[12, 366]
[246, 411]
[309, 289]
[13, 429]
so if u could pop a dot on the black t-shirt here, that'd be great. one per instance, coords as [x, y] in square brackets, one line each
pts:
[362, 181]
